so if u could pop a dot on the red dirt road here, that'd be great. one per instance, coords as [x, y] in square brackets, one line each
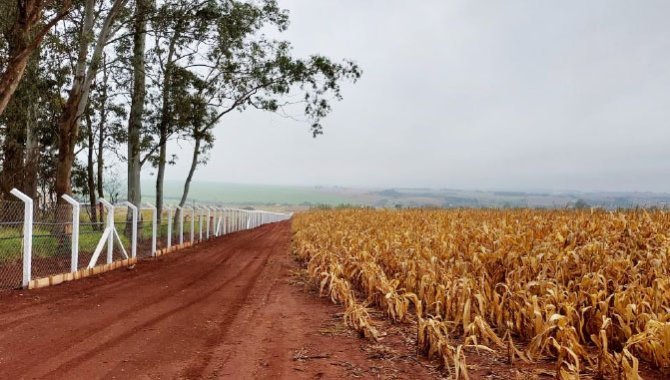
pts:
[223, 309]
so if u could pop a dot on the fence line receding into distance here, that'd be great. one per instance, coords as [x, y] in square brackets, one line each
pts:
[69, 237]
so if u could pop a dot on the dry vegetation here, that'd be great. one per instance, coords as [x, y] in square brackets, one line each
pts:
[590, 289]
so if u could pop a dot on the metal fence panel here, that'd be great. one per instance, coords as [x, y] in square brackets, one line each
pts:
[11, 244]
[63, 237]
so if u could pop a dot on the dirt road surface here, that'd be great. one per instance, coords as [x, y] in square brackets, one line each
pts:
[226, 308]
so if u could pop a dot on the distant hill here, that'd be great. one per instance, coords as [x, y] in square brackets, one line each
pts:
[304, 196]
[244, 194]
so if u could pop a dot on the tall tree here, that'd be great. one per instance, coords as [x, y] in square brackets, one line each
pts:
[24, 37]
[181, 28]
[143, 10]
[245, 69]
[85, 72]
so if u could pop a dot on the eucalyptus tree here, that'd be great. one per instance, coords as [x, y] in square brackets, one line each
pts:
[86, 70]
[28, 139]
[185, 31]
[104, 128]
[212, 58]
[144, 10]
[23, 36]
[247, 69]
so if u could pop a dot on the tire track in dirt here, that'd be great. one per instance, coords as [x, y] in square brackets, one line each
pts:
[98, 283]
[130, 330]
[13, 321]
[223, 308]
[181, 274]
[206, 364]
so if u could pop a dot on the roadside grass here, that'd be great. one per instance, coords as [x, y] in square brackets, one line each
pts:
[54, 239]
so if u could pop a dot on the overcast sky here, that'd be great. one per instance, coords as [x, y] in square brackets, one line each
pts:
[522, 95]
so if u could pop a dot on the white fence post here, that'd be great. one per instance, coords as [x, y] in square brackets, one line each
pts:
[219, 224]
[27, 234]
[192, 224]
[181, 224]
[110, 225]
[169, 231]
[153, 229]
[208, 221]
[225, 221]
[107, 236]
[74, 260]
[133, 241]
[215, 222]
[200, 224]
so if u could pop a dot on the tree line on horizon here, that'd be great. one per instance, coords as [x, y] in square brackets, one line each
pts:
[80, 80]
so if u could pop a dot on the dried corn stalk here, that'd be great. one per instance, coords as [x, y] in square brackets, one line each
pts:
[590, 289]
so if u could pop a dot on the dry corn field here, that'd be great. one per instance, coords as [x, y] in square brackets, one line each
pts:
[589, 290]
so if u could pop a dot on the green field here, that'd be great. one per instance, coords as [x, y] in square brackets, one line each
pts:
[244, 194]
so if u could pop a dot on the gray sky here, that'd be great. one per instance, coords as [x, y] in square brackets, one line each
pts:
[521, 95]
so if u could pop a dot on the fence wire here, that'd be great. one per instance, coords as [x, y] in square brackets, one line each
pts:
[123, 221]
[53, 229]
[189, 225]
[52, 240]
[144, 225]
[92, 222]
[11, 244]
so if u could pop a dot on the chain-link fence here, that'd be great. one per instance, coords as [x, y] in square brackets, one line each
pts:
[92, 224]
[162, 230]
[52, 240]
[11, 243]
[123, 222]
[62, 238]
[189, 225]
[145, 227]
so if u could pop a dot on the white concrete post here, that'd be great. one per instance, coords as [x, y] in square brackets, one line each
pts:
[219, 225]
[27, 235]
[192, 224]
[181, 224]
[200, 225]
[110, 226]
[154, 220]
[225, 221]
[74, 259]
[133, 241]
[208, 222]
[217, 221]
[169, 231]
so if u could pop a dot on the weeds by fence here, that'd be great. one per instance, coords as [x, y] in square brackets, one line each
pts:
[66, 237]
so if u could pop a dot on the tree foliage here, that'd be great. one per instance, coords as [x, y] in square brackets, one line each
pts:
[199, 60]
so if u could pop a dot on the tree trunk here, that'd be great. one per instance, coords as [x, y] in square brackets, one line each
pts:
[160, 176]
[16, 119]
[164, 124]
[189, 178]
[68, 125]
[101, 139]
[142, 8]
[11, 78]
[29, 14]
[31, 164]
[191, 171]
[13, 151]
[90, 182]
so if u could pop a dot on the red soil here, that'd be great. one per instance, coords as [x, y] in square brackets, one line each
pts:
[225, 308]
